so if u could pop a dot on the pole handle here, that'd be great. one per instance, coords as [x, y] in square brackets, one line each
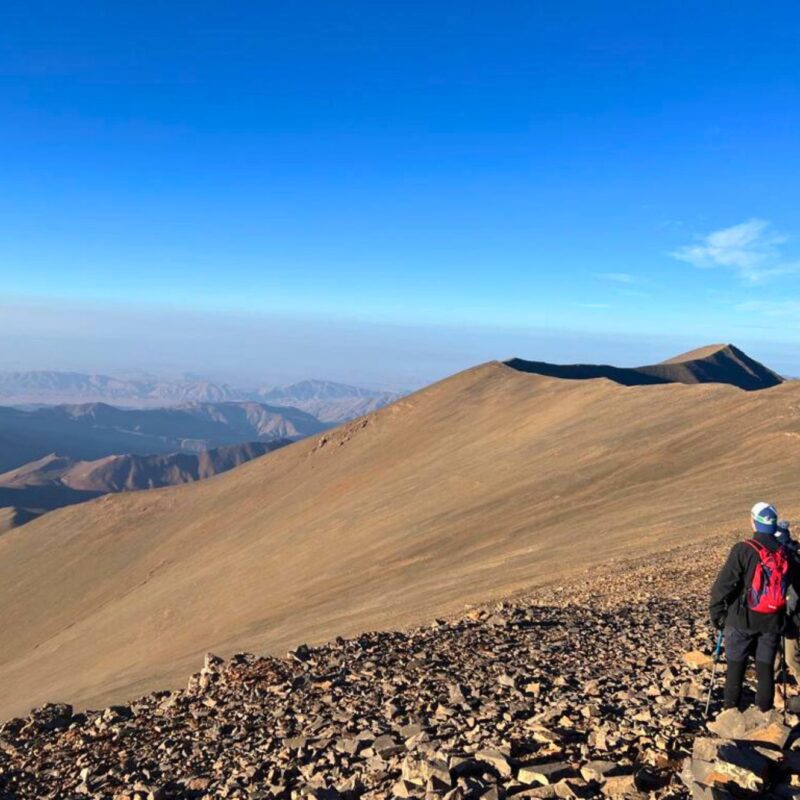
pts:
[718, 648]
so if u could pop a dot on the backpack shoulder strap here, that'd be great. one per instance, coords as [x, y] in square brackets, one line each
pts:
[757, 546]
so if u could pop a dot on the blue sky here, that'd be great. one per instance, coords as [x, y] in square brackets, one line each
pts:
[602, 180]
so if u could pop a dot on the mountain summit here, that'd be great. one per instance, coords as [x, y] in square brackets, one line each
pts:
[716, 363]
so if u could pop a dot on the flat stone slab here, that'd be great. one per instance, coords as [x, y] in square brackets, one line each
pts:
[545, 772]
[698, 660]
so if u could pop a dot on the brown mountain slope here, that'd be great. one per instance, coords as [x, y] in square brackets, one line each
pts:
[716, 363]
[11, 517]
[481, 484]
[57, 481]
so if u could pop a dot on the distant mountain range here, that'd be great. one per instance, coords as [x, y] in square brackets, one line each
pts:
[95, 430]
[328, 401]
[56, 481]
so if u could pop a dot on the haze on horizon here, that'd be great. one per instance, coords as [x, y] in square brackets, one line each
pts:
[385, 195]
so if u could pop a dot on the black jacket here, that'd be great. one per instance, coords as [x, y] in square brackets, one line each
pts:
[792, 600]
[728, 600]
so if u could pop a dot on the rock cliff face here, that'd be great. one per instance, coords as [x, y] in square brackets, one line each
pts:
[594, 688]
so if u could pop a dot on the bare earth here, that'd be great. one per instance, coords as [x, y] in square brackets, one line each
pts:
[474, 488]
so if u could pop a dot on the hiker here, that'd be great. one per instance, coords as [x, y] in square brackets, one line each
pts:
[792, 628]
[748, 602]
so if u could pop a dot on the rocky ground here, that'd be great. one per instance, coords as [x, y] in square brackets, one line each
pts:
[583, 690]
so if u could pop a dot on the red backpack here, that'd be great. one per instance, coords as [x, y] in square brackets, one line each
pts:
[767, 592]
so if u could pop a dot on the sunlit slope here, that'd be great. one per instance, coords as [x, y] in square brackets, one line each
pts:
[485, 482]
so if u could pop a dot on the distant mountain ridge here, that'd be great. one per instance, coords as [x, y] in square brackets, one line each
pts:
[55, 387]
[56, 481]
[318, 390]
[95, 430]
[719, 363]
[326, 400]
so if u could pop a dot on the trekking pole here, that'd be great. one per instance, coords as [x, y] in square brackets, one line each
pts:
[783, 676]
[717, 653]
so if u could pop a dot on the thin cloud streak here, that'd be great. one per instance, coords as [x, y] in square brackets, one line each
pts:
[751, 249]
[766, 308]
[616, 277]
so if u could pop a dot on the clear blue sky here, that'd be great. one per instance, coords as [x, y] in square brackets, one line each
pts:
[615, 173]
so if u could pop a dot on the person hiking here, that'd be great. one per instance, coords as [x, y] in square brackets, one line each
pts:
[748, 601]
[792, 628]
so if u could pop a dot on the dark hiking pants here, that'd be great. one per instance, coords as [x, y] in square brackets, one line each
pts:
[739, 646]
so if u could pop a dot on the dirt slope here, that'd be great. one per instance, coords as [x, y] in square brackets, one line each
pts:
[11, 517]
[486, 482]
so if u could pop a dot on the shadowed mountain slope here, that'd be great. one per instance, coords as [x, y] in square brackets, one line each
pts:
[477, 486]
[95, 430]
[713, 364]
[56, 481]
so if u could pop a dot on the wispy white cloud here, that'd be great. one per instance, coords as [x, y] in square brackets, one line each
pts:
[766, 308]
[616, 277]
[624, 283]
[751, 249]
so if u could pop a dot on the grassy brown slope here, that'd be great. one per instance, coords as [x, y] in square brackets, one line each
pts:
[481, 484]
